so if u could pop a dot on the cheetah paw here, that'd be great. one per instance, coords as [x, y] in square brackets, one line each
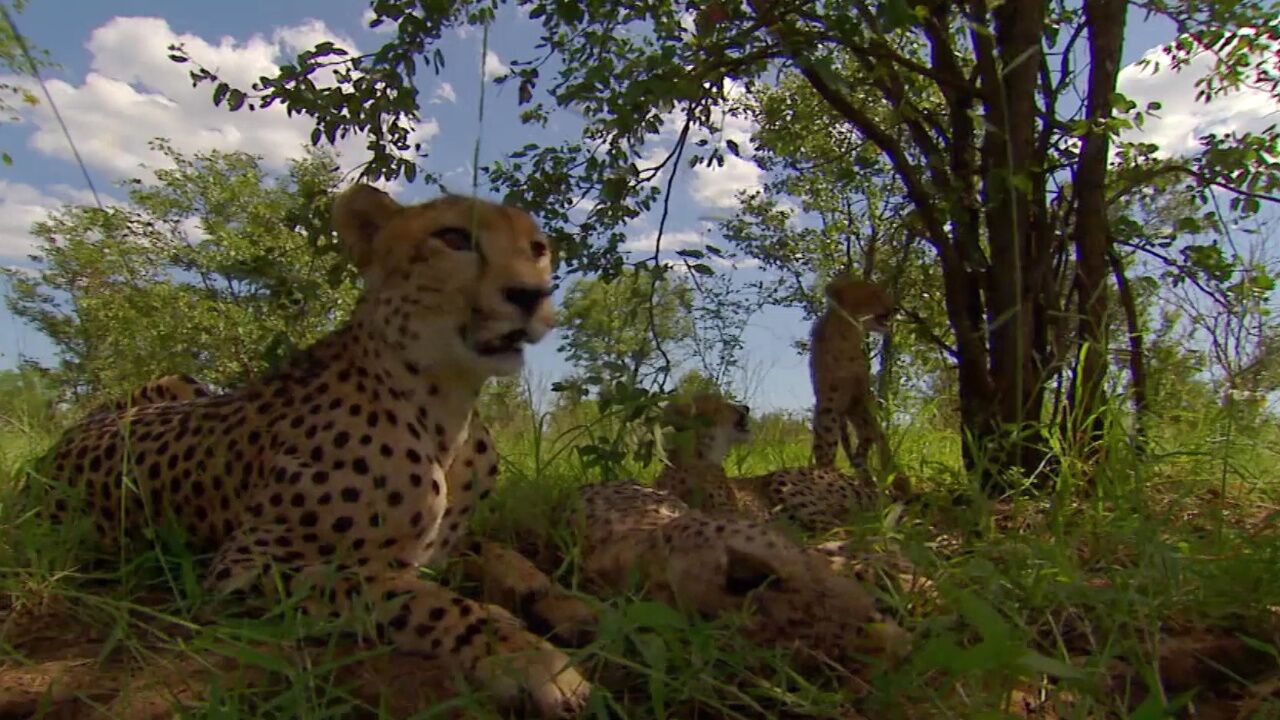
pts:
[545, 674]
[570, 620]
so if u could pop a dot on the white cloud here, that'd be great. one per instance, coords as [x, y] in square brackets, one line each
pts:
[493, 65]
[134, 93]
[22, 205]
[672, 240]
[713, 186]
[719, 186]
[688, 21]
[1183, 119]
[444, 93]
[386, 28]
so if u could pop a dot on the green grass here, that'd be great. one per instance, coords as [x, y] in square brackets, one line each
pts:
[1068, 598]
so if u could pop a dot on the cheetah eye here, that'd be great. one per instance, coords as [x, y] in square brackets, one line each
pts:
[454, 238]
[538, 248]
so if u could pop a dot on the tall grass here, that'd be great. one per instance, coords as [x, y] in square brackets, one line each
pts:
[1070, 599]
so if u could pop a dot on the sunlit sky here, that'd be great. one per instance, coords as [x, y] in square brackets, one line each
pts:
[117, 90]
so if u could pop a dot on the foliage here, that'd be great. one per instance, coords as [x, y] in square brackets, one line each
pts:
[14, 61]
[968, 115]
[1082, 606]
[208, 271]
[607, 333]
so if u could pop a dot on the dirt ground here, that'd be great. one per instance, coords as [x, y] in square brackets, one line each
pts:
[70, 671]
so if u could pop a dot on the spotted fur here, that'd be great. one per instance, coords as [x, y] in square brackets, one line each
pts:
[712, 564]
[706, 427]
[840, 372]
[170, 388]
[359, 460]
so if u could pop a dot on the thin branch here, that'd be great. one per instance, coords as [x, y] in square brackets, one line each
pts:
[657, 246]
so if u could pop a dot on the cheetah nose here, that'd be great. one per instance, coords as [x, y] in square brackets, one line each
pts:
[526, 298]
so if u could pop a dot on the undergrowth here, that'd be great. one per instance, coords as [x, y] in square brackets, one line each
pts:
[1060, 604]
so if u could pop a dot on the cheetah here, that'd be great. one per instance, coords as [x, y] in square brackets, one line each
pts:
[840, 372]
[702, 430]
[814, 499]
[715, 565]
[170, 388]
[706, 427]
[358, 460]
[788, 596]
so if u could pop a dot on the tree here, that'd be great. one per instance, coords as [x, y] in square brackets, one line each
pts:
[208, 271]
[605, 333]
[997, 119]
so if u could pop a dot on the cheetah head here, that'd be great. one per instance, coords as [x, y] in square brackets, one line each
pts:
[865, 302]
[711, 422]
[456, 282]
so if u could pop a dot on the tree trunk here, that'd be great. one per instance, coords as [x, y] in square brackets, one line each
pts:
[1137, 349]
[1105, 21]
[1008, 66]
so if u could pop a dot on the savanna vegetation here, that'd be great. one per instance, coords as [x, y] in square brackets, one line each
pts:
[1080, 383]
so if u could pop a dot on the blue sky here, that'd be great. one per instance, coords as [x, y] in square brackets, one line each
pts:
[116, 89]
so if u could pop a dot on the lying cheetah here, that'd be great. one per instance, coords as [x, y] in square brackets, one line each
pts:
[706, 427]
[815, 499]
[358, 460]
[840, 372]
[703, 429]
[637, 537]
[714, 565]
[170, 388]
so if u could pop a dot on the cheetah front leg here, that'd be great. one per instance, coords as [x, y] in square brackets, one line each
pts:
[866, 426]
[829, 423]
[470, 480]
[483, 642]
[505, 576]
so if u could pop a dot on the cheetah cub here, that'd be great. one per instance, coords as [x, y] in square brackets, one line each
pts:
[359, 460]
[705, 427]
[840, 372]
[701, 431]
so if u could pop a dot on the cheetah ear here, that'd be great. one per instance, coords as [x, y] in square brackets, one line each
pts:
[359, 214]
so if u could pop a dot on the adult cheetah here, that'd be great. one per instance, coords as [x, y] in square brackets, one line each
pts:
[358, 460]
[714, 564]
[840, 372]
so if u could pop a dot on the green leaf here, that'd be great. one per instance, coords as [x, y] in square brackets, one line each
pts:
[984, 617]
[656, 615]
[896, 14]
[251, 657]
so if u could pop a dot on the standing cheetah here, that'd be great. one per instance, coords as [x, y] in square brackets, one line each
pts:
[358, 460]
[840, 372]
